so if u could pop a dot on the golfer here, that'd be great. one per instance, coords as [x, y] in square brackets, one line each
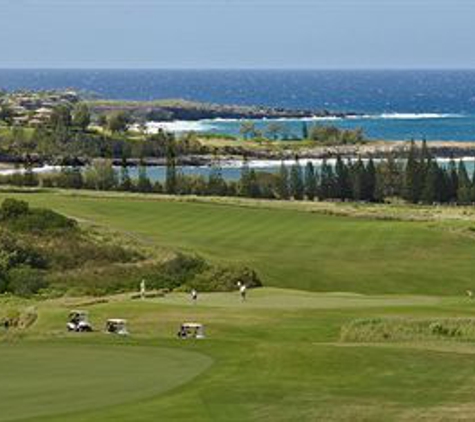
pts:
[243, 291]
[194, 296]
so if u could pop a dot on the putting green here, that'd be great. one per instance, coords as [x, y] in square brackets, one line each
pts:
[39, 380]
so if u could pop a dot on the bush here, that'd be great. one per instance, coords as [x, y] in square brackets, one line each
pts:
[42, 220]
[13, 208]
[26, 281]
[224, 279]
[19, 216]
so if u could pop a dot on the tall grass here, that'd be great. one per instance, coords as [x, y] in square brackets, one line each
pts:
[400, 329]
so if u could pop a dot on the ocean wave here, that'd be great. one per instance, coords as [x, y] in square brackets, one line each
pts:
[411, 116]
[179, 126]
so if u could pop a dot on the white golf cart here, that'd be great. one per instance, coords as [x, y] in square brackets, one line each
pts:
[191, 330]
[79, 322]
[117, 326]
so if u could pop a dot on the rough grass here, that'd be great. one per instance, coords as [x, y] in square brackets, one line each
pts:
[399, 329]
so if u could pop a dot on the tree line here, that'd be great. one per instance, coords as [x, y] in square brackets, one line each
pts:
[417, 179]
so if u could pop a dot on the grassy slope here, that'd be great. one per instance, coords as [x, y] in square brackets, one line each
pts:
[294, 249]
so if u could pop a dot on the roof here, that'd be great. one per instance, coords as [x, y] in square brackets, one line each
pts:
[117, 321]
[192, 325]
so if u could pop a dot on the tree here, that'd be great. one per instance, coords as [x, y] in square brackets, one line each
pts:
[82, 116]
[61, 117]
[297, 187]
[143, 183]
[125, 180]
[274, 130]
[305, 131]
[216, 183]
[101, 175]
[464, 191]
[412, 176]
[171, 176]
[431, 192]
[245, 182]
[452, 181]
[283, 183]
[370, 181]
[310, 181]
[248, 130]
[358, 176]
[327, 182]
[118, 121]
[6, 113]
[389, 179]
[342, 182]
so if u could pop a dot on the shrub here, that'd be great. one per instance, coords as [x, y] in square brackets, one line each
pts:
[25, 281]
[13, 208]
[42, 220]
[224, 279]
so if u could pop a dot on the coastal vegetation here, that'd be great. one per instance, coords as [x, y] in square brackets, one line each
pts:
[61, 126]
[419, 179]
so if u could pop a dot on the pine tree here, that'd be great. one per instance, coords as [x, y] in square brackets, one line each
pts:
[370, 181]
[305, 134]
[327, 182]
[216, 183]
[297, 187]
[310, 181]
[453, 181]
[125, 180]
[283, 183]
[76, 179]
[143, 183]
[245, 182]
[412, 181]
[254, 191]
[357, 176]
[342, 182]
[464, 191]
[432, 184]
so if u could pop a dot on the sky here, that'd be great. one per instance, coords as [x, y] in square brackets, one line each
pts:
[313, 34]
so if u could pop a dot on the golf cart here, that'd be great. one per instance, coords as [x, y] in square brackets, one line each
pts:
[79, 322]
[117, 326]
[191, 330]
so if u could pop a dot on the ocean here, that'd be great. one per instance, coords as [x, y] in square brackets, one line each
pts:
[396, 105]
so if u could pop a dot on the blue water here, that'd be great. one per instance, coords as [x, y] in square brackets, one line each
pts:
[448, 95]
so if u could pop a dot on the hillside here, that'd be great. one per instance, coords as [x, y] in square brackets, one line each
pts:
[310, 250]
[44, 252]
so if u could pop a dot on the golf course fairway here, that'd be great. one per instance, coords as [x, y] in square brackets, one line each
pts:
[278, 356]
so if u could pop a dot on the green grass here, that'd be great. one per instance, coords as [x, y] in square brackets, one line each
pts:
[56, 379]
[277, 357]
[299, 250]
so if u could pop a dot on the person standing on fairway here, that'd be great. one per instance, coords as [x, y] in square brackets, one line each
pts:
[243, 291]
[194, 296]
[142, 289]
